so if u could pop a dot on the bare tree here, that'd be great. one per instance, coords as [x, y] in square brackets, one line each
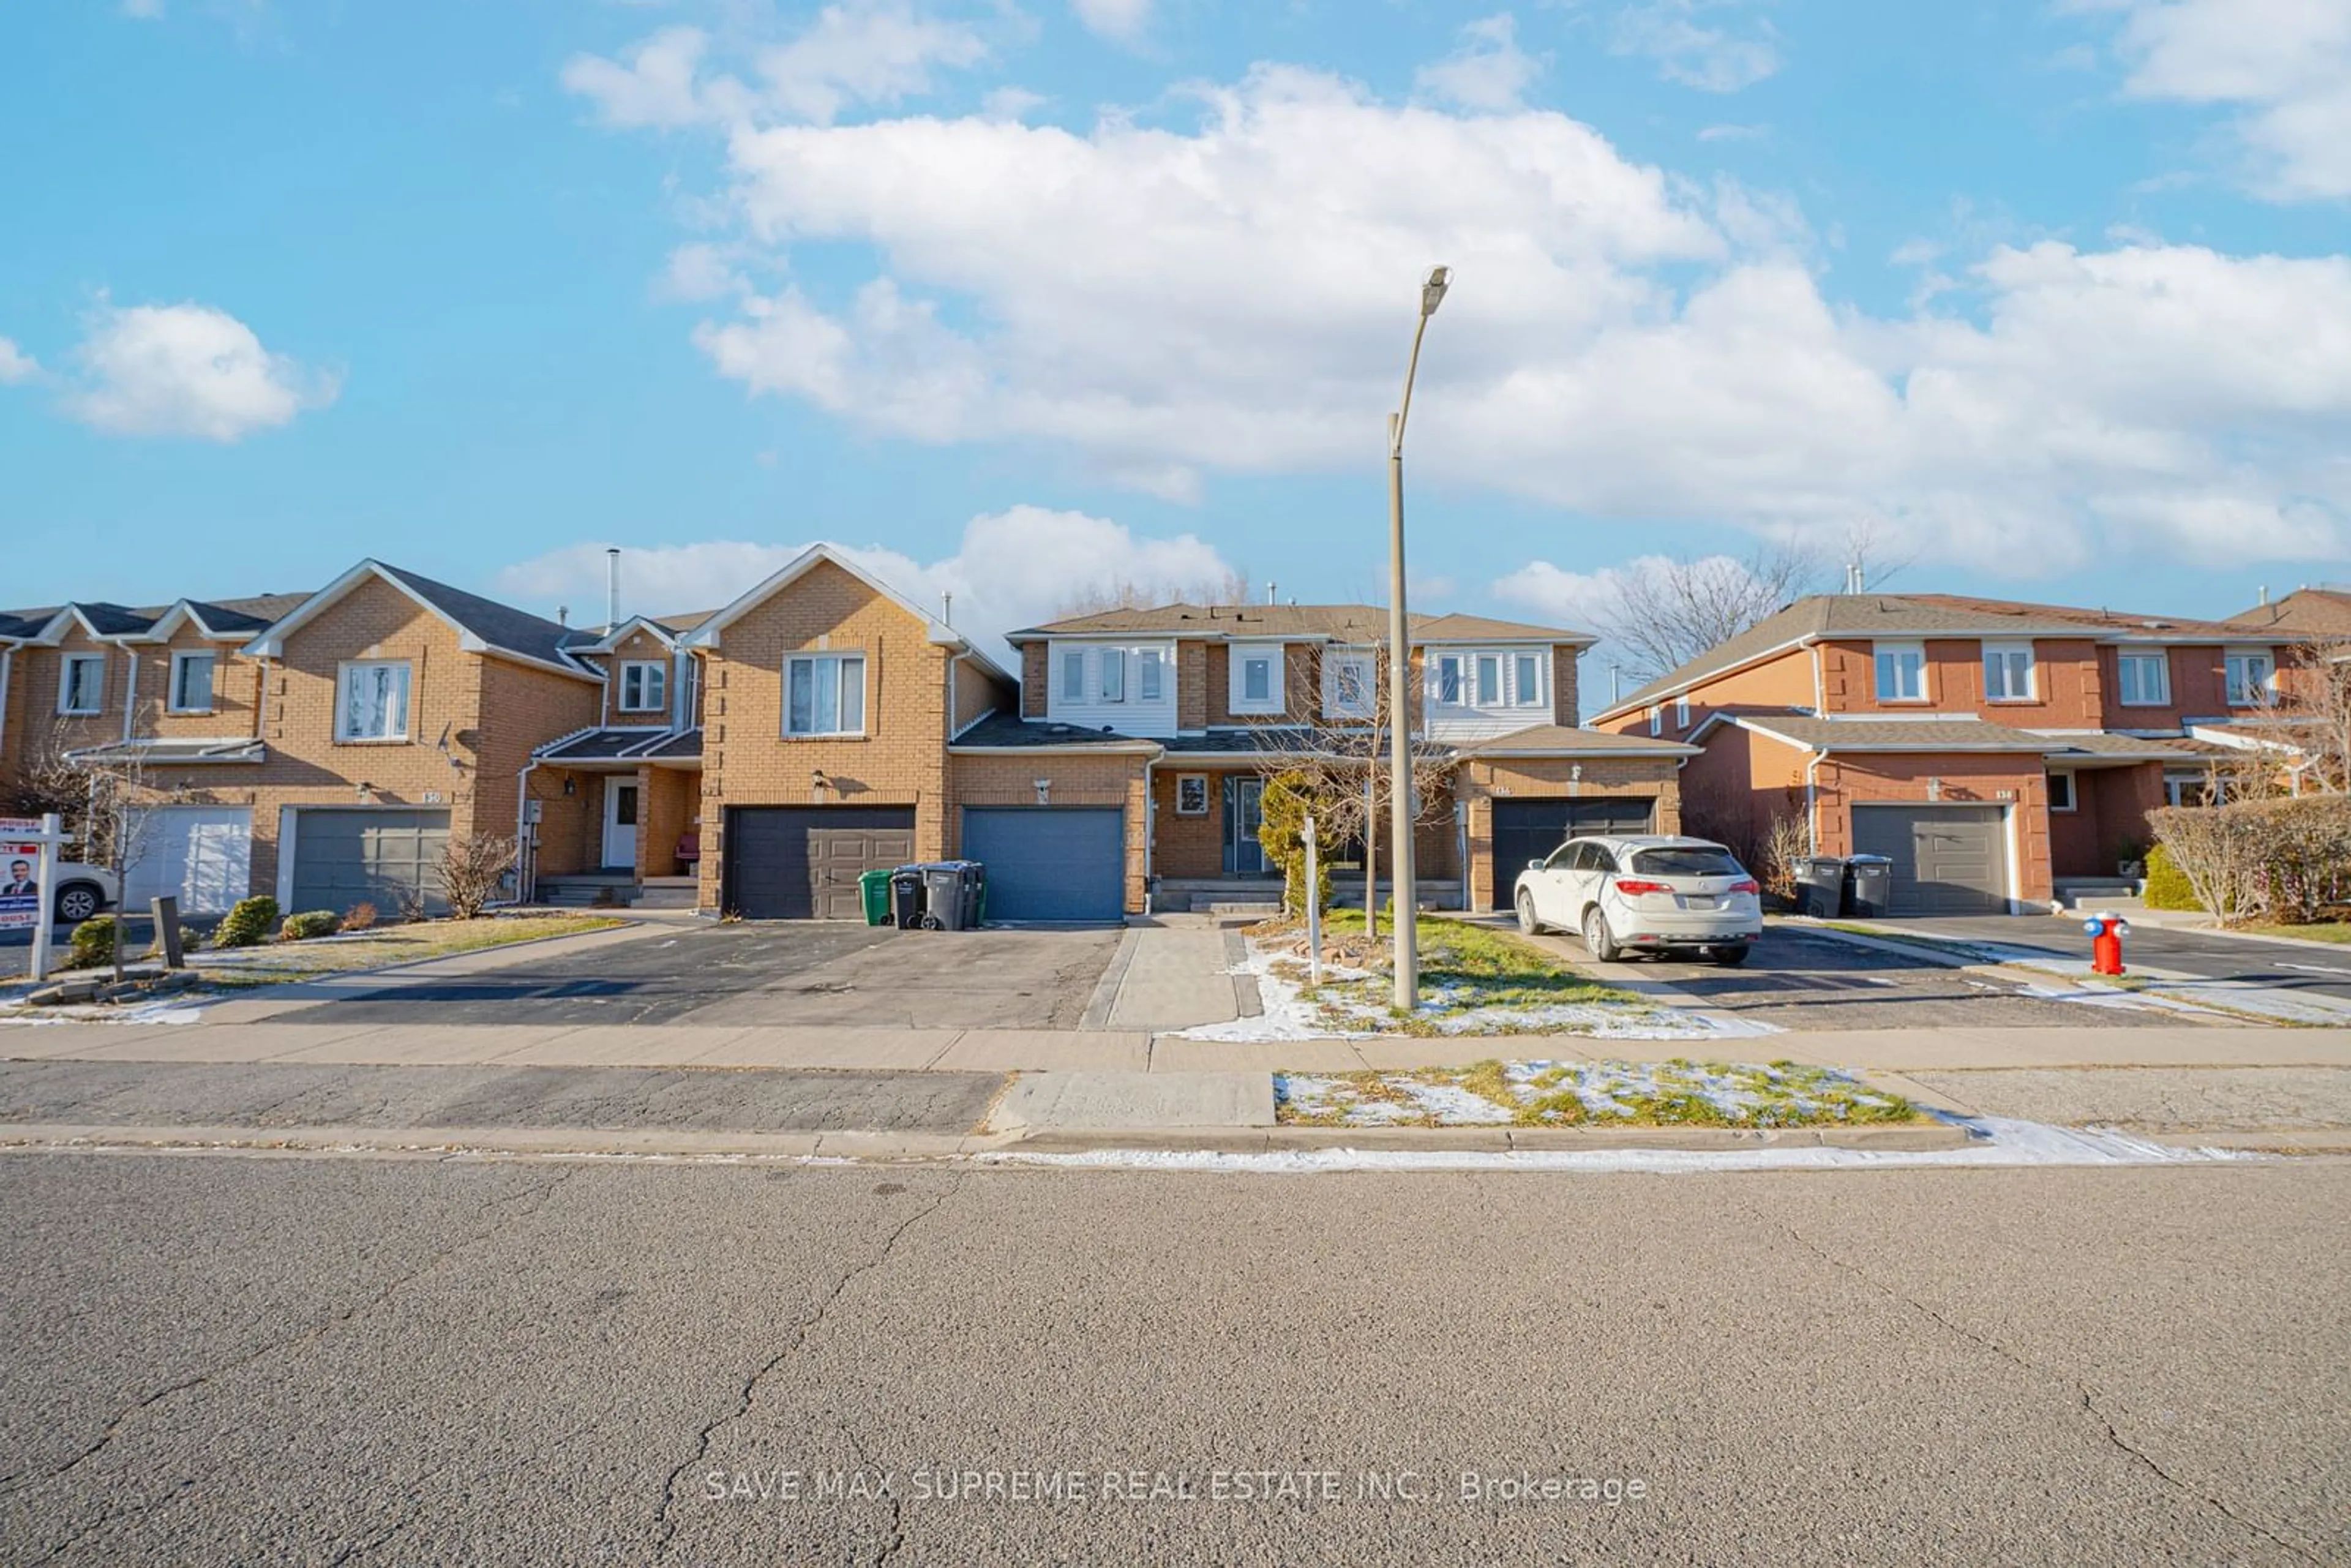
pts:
[2314, 713]
[469, 868]
[1665, 614]
[1134, 593]
[1339, 762]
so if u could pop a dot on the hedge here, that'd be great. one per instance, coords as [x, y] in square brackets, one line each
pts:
[2260, 859]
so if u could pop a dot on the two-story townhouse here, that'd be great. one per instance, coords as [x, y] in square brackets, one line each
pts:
[1989, 749]
[1191, 708]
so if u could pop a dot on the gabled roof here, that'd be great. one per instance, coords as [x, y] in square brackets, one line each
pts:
[587, 640]
[231, 618]
[483, 625]
[1359, 623]
[2123, 625]
[707, 634]
[2321, 611]
[95, 617]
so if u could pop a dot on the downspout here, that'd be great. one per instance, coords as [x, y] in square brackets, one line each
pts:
[1819, 684]
[129, 693]
[1812, 803]
[1150, 826]
[7, 664]
[526, 852]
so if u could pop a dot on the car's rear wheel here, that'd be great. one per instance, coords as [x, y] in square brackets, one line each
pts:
[78, 902]
[1526, 921]
[1596, 938]
[1729, 957]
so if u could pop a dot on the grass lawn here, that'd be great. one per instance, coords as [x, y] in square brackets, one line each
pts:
[1508, 985]
[274, 963]
[1676, 1093]
[2317, 931]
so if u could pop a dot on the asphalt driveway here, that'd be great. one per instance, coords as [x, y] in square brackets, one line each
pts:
[2279, 966]
[780, 973]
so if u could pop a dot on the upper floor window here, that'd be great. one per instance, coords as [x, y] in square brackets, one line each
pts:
[1148, 679]
[1656, 720]
[1527, 691]
[1113, 686]
[1255, 680]
[1350, 685]
[1489, 680]
[81, 684]
[824, 694]
[2008, 672]
[1901, 672]
[1447, 686]
[1681, 713]
[1074, 675]
[644, 685]
[2249, 672]
[192, 682]
[2145, 679]
[373, 701]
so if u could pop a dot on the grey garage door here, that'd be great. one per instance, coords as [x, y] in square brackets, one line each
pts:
[1947, 860]
[343, 857]
[802, 863]
[1529, 830]
[1050, 862]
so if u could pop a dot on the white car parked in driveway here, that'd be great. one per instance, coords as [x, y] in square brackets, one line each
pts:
[1646, 892]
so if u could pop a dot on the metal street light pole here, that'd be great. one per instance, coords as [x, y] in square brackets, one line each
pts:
[1400, 804]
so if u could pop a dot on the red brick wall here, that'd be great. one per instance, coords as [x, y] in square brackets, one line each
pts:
[1968, 778]
[1480, 783]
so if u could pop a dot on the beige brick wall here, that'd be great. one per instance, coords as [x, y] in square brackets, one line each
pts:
[1011, 780]
[1480, 783]
[1035, 674]
[670, 807]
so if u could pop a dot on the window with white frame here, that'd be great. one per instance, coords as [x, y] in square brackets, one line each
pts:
[2008, 672]
[1527, 691]
[1656, 720]
[1445, 686]
[2144, 679]
[1255, 683]
[2061, 791]
[81, 683]
[1350, 685]
[191, 681]
[1901, 672]
[644, 685]
[373, 701]
[2249, 672]
[1489, 680]
[1148, 679]
[1074, 674]
[1110, 684]
[1681, 713]
[824, 694]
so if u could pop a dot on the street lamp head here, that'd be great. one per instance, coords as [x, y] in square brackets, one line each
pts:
[1432, 293]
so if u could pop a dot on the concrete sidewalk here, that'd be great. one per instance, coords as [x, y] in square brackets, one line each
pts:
[1176, 974]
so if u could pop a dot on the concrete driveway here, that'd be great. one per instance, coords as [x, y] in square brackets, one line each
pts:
[2289, 966]
[795, 973]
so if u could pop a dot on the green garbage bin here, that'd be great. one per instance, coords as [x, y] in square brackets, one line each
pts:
[873, 887]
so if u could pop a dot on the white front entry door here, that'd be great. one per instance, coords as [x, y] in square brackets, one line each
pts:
[620, 823]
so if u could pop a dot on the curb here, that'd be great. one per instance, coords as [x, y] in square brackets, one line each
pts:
[1907, 1137]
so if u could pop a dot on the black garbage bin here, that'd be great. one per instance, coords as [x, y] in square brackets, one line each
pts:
[945, 901]
[1868, 884]
[906, 897]
[1820, 887]
[973, 888]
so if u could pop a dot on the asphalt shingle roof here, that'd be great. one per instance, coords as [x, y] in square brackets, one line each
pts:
[1013, 733]
[502, 626]
[2304, 612]
[1340, 622]
[1902, 735]
[617, 743]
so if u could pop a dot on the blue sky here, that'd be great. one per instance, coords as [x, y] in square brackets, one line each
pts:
[1030, 296]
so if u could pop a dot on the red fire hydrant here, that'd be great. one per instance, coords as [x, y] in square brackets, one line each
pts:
[2106, 951]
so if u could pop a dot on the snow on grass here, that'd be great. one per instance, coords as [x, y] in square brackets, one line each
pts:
[1588, 1093]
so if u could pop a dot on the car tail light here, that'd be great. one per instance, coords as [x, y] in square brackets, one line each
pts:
[1626, 885]
[1750, 885]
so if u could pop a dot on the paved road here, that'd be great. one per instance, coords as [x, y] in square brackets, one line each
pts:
[244, 1359]
[781, 972]
[1799, 980]
[2281, 966]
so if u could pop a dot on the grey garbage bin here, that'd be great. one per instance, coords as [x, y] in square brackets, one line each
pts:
[1868, 884]
[945, 904]
[974, 887]
[906, 897]
[1820, 887]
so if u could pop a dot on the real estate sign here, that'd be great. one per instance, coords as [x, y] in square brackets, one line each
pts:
[20, 873]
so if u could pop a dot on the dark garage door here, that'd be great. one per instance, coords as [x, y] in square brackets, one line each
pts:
[801, 863]
[1050, 862]
[348, 856]
[1947, 860]
[1529, 830]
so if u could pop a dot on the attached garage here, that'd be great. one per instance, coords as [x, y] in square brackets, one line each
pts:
[1947, 860]
[802, 863]
[1529, 830]
[201, 855]
[364, 854]
[1050, 862]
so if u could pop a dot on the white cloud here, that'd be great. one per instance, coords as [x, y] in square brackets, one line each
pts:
[1488, 71]
[1713, 58]
[1012, 568]
[145, 10]
[16, 365]
[1233, 295]
[1731, 132]
[2284, 65]
[700, 271]
[654, 85]
[1120, 21]
[186, 370]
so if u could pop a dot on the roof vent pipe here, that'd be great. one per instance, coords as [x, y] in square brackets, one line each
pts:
[611, 589]
[946, 609]
[563, 615]
[1271, 588]
[2265, 593]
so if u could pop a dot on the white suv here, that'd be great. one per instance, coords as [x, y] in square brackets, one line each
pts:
[1644, 892]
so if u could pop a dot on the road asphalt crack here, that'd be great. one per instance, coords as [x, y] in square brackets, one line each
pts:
[664, 1526]
[116, 1426]
[2082, 1391]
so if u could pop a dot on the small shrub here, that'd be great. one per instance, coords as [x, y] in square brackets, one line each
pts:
[359, 917]
[251, 920]
[308, 924]
[2167, 884]
[469, 871]
[93, 943]
[1281, 833]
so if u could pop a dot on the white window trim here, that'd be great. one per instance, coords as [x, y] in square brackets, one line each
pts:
[2268, 686]
[839, 657]
[181, 658]
[65, 685]
[1237, 697]
[1109, 676]
[1074, 674]
[1523, 695]
[1477, 663]
[2162, 663]
[661, 672]
[1366, 704]
[2031, 691]
[1877, 650]
[2073, 791]
[407, 702]
[1681, 713]
[1461, 679]
[1150, 675]
[1656, 719]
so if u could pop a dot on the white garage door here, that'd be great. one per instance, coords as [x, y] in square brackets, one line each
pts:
[201, 855]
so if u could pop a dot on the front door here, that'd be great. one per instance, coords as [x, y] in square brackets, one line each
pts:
[1244, 813]
[621, 824]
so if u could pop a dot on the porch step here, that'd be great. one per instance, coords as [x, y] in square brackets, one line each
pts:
[2100, 893]
[587, 892]
[655, 896]
[1213, 905]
